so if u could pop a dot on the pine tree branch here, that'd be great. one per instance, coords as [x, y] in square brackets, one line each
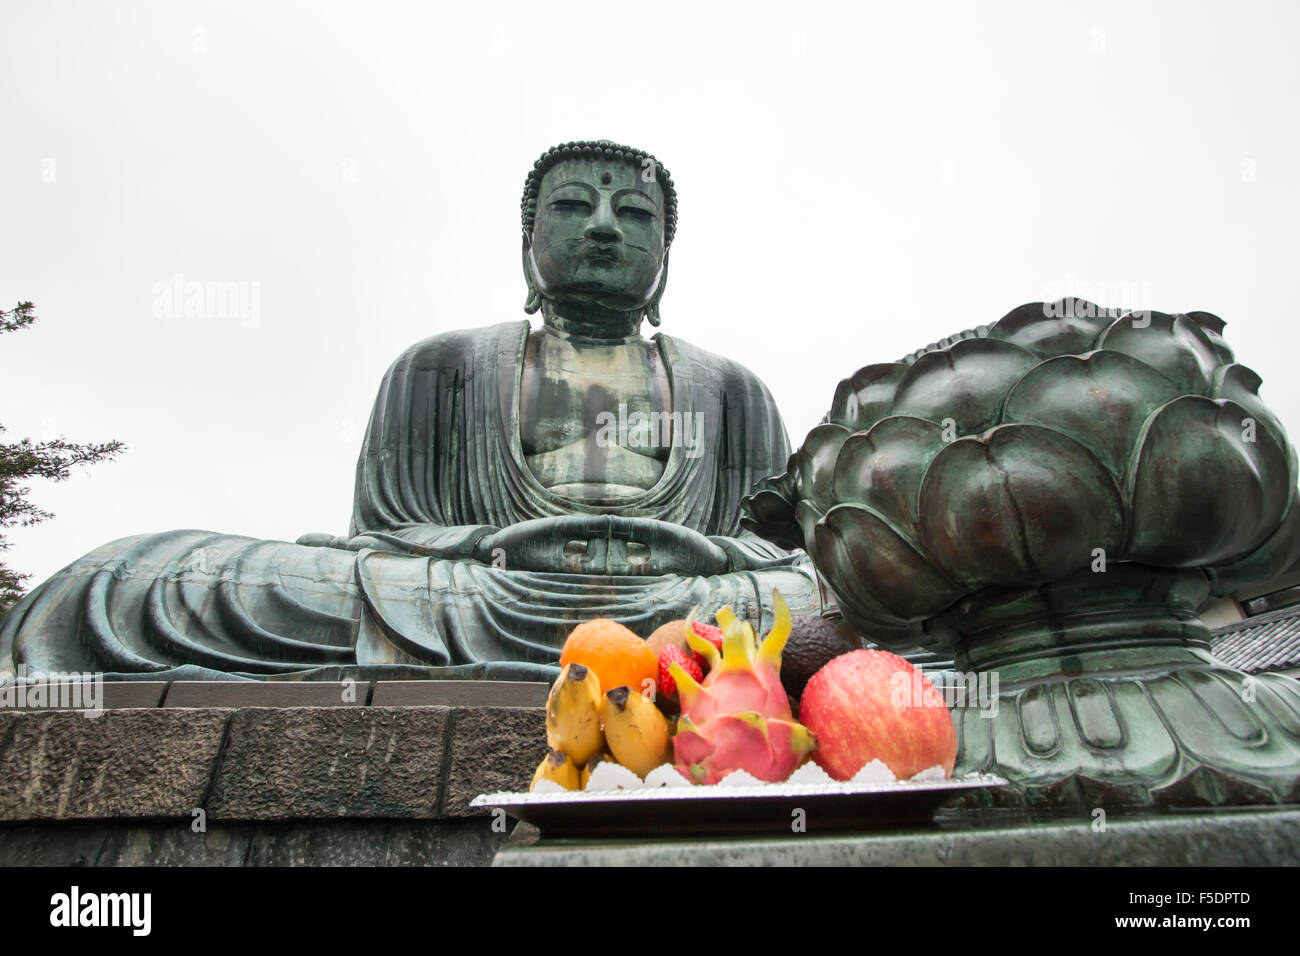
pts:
[19, 317]
[51, 460]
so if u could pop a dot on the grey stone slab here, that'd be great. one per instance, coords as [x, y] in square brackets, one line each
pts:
[362, 843]
[313, 762]
[23, 844]
[471, 842]
[220, 693]
[126, 693]
[376, 843]
[128, 764]
[72, 695]
[492, 748]
[1257, 837]
[317, 843]
[460, 693]
[176, 844]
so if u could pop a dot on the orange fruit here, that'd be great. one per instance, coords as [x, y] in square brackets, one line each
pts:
[617, 656]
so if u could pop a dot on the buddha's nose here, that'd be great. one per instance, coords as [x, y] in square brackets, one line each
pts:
[603, 227]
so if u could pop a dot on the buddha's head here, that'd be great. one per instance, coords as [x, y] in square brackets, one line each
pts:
[598, 219]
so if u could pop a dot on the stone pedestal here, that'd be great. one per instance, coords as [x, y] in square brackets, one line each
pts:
[261, 785]
[1268, 837]
[378, 785]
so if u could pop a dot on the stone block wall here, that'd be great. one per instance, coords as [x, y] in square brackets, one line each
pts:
[249, 785]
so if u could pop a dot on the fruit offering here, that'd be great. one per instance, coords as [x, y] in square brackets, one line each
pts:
[739, 717]
[674, 633]
[814, 642]
[636, 730]
[557, 768]
[710, 632]
[573, 714]
[618, 656]
[670, 655]
[610, 724]
[873, 705]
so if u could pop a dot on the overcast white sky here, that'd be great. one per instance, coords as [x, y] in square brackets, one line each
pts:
[855, 181]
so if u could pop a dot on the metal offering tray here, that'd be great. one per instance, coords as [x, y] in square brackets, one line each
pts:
[720, 808]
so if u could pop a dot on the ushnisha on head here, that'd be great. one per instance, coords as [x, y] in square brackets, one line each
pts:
[598, 218]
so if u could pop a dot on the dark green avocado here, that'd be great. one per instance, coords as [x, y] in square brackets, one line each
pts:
[813, 642]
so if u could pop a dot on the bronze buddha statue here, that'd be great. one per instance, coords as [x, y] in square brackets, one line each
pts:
[513, 482]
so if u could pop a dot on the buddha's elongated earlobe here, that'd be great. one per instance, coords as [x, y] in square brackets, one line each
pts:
[534, 300]
[651, 310]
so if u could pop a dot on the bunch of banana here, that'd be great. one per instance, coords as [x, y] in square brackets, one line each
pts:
[557, 768]
[637, 733]
[573, 716]
[573, 713]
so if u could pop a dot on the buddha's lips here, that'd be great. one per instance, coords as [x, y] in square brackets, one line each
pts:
[602, 254]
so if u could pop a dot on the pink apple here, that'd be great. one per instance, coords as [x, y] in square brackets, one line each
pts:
[868, 705]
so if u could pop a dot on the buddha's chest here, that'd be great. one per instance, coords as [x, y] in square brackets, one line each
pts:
[570, 397]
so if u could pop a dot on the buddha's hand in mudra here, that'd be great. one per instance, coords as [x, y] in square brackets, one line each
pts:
[602, 544]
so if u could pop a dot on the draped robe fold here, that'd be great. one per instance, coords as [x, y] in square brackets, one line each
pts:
[442, 464]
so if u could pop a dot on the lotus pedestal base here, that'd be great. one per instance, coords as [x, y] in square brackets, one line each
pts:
[1107, 696]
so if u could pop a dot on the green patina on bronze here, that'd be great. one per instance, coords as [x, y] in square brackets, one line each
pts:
[1051, 499]
[514, 481]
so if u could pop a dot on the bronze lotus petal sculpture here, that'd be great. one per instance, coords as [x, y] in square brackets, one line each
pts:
[1051, 499]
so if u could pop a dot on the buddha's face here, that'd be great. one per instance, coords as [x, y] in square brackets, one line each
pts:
[598, 235]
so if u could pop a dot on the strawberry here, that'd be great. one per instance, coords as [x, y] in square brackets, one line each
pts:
[711, 633]
[671, 654]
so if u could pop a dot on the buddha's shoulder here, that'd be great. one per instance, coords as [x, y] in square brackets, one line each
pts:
[461, 345]
[718, 368]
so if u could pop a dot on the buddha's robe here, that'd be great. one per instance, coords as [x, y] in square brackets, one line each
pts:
[403, 595]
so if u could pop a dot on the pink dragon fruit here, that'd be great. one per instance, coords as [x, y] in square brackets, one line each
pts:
[739, 717]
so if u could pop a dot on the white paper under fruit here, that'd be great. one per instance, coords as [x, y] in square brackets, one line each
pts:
[666, 775]
[931, 773]
[548, 786]
[874, 772]
[740, 778]
[612, 776]
[810, 774]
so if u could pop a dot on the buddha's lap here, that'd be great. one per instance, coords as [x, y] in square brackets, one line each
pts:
[241, 604]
